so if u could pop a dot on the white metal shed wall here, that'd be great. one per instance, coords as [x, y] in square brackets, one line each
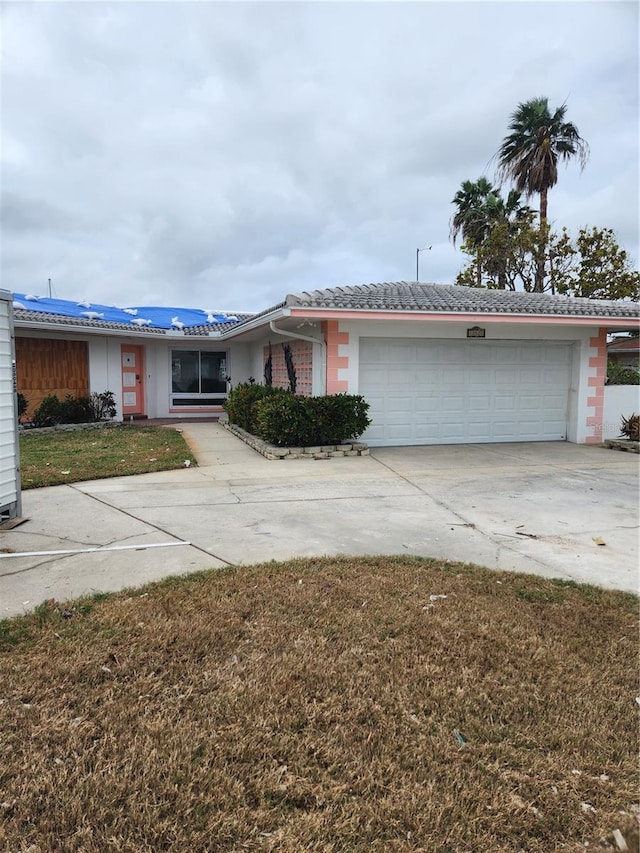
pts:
[9, 447]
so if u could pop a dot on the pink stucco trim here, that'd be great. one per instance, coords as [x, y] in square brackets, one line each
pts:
[595, 383]
[335, 362]
[438, 316]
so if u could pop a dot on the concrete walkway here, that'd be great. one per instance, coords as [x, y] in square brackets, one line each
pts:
[518, 507]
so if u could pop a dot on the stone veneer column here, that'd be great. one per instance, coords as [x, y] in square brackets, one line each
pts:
[335, 362]
[595, 381]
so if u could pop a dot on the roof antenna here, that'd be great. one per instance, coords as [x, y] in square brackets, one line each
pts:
[49, 288]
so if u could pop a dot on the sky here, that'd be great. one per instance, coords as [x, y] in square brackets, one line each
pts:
[228, 153]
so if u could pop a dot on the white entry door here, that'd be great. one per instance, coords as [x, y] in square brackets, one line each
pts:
[463, 392]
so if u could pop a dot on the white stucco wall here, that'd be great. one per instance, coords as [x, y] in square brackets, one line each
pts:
[619, 401]
[105, 369]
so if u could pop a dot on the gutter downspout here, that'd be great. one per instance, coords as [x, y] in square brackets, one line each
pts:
[323, 351]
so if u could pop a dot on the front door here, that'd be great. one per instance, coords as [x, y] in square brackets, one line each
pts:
[132, 380]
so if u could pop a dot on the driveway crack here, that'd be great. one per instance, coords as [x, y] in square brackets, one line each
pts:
[155, 527]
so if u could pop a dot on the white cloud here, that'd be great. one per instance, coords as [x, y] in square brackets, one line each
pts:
[181, 153]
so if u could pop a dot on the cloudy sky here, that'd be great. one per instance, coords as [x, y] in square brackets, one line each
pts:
[177, 153]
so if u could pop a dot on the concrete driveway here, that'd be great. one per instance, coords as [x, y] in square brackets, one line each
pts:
[517, 507]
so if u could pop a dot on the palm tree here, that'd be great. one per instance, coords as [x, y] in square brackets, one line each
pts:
[480, 209]
[470, 219]
[529, 155]
[505, 218]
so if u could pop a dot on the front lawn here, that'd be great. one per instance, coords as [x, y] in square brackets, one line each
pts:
[69, 456]
[380, 704]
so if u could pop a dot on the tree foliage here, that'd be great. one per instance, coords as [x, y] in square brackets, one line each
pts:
[596, 267]
[482, 215]
[593, 265]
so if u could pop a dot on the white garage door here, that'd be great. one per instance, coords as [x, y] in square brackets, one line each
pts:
[459, 392]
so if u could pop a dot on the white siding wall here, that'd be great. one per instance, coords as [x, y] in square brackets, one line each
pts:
[9, 450]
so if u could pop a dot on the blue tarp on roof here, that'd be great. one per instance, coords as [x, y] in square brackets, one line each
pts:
[138, 315]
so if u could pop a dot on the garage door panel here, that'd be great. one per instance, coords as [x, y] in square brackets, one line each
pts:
[454, 429]
[506, 376]
[426, 432]
[401, 354]
[454, 375]
[435, 392]
[530, 402]
[502, 403]
[505, 430]
[426, 404]
[426, 376]
[398, 377]
[453, 403]
[553, 401]
[479, 404]
[479, 431]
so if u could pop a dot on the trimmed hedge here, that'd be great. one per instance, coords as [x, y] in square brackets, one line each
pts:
[290, 420]
[241, 402]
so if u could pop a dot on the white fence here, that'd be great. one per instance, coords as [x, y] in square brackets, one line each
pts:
[619, 400]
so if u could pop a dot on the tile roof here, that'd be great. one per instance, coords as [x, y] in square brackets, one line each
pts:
[394, 296]
[38, 317]
[114, 317]
[412, 296]
[218, 327]
[21, 316]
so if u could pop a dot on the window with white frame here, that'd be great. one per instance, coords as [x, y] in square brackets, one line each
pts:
[198, 377]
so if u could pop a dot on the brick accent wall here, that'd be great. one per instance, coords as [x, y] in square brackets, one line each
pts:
[302, 352]
[335, 362]
[595, 381]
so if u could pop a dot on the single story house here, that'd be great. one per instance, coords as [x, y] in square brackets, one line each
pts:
[438, 364]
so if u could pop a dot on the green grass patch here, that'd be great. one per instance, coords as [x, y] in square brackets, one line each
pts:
[70, 456]
[376, 704]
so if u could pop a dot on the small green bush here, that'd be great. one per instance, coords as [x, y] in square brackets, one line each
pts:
[338, 417]
[75, 410]
[291, 420]
[241, 402]
[619, 374]
[49, 412]
[285, 420]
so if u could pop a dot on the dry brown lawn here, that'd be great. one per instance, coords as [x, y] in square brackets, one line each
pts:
[323, 705]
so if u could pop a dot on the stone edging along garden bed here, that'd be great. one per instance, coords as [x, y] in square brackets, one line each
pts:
[28, 430]
[270, 451]
[622, 444]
